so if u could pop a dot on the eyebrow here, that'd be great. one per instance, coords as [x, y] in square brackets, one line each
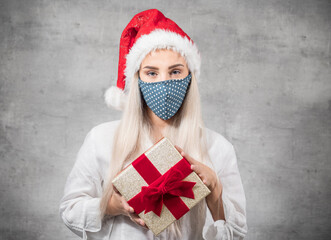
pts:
[172, 66]
[176, 65]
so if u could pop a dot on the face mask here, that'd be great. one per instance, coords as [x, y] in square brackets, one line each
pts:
[165, 98]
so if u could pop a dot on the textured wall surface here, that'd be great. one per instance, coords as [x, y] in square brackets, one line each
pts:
[265, 85]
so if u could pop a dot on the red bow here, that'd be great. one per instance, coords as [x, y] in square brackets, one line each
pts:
[172, 185]
[163, 189]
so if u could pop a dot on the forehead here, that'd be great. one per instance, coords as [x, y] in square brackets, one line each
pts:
[163, 56]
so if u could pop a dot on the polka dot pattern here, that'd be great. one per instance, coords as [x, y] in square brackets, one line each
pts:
[164, 98]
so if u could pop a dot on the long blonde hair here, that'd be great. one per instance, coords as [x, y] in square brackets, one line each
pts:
[185, 130]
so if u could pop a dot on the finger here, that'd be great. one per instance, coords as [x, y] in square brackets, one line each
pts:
[115, 190]
[137, 219]
[126, 206]
[129, 209]
[204, 179]
[186, 156]
[206, 182]
[197, 168]
[179, 149]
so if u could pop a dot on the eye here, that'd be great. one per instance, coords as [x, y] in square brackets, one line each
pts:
[151, 74]
[175, 72]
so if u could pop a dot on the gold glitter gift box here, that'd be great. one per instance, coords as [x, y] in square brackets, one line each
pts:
[154, 173]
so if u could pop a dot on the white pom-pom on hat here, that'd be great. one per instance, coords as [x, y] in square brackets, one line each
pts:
[115, 97]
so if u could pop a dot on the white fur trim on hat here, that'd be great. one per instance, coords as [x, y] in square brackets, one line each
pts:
[161, 39]
[115, 97]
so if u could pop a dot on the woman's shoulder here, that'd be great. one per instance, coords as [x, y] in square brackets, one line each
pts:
[217, 140]
[103, 133]
[220, 150]
[105, 128]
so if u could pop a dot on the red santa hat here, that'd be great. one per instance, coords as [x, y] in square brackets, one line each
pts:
[147, 31]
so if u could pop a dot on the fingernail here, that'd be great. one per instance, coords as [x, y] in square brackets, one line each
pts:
[131, 210]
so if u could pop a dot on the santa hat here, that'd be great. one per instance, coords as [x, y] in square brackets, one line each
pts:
[147, 31]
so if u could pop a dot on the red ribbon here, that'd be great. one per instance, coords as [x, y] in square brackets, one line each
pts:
[163, 189]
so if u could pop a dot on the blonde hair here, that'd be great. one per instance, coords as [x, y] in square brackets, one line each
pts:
[185, 130]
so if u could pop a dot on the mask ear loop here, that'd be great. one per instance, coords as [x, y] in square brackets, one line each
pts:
[138, 73]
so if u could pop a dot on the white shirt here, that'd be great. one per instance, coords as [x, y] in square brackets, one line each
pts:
[79, 207]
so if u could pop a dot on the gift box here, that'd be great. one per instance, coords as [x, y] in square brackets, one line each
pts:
[160, 186]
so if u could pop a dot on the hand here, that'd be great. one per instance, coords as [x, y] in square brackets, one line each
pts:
[207, 175]
[117, 205]
[210, 179]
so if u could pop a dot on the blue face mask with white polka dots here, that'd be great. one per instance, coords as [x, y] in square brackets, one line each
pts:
[164, 98]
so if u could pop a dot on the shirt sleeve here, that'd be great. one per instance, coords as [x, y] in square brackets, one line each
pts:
[80, 204]
[234, 203]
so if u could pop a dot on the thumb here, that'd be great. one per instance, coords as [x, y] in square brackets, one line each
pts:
[179, 149]
[186, 156]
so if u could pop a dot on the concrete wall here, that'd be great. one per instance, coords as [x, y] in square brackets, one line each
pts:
[265, 85]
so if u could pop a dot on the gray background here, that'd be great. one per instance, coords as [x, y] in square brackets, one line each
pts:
[265, 85]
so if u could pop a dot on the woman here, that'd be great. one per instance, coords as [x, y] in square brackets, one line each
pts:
[156, 57]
